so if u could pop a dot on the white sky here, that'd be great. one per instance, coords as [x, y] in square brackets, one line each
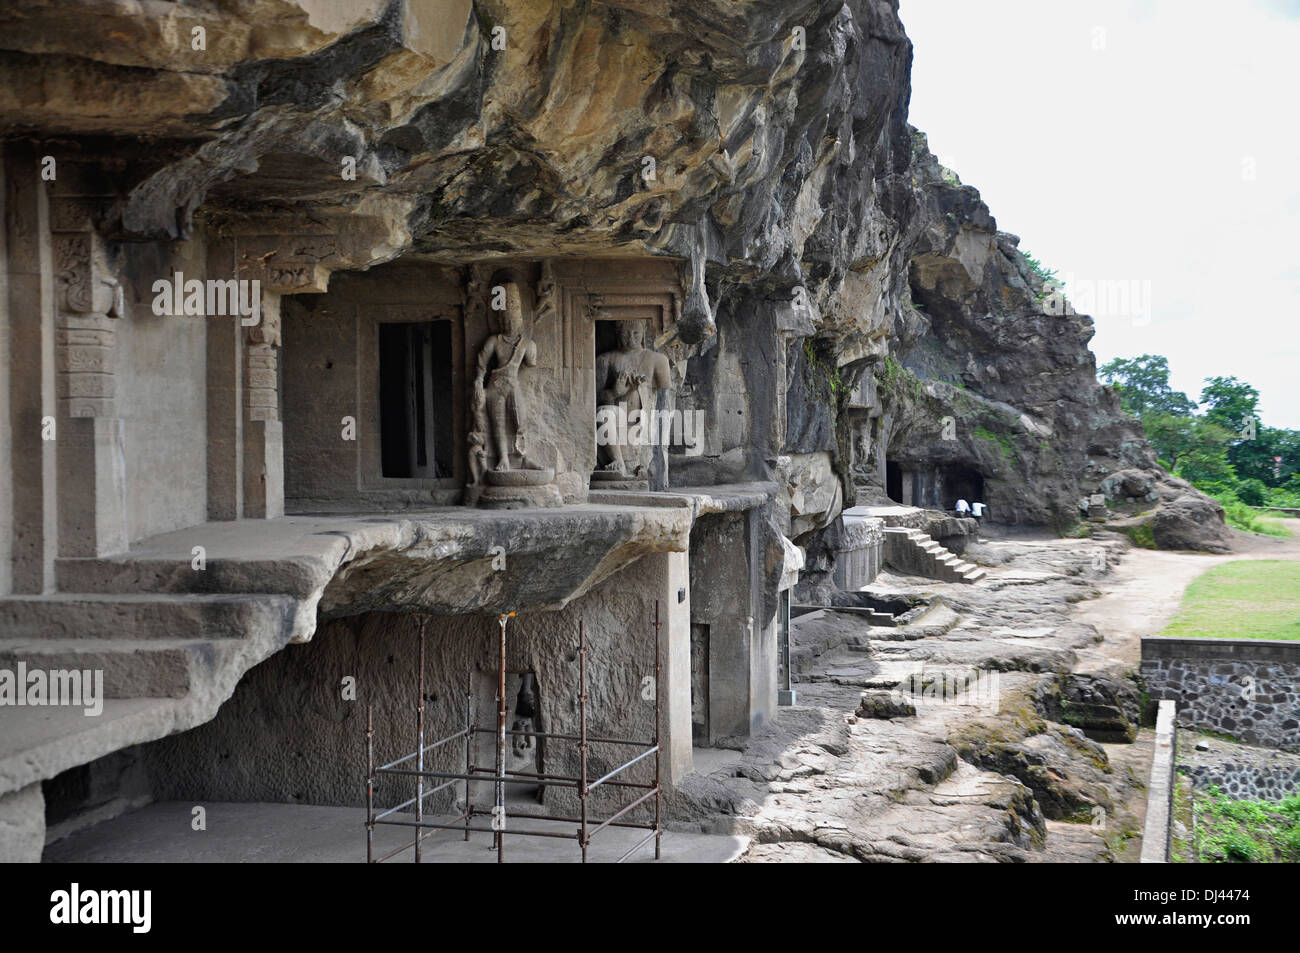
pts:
[1117, 138]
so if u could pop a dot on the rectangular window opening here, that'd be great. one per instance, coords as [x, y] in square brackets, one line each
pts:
[415, 400]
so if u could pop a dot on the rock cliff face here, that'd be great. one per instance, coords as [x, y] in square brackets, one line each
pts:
[763, 141]
[990, 385]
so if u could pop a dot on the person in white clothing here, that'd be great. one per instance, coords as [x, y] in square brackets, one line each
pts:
[977, 510]
[962, 507]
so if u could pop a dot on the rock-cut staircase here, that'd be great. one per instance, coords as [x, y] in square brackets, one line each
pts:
[916, 553]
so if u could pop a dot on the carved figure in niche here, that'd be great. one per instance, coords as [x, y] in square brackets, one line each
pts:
[499, 416]
[524, 740]
[478, 452]
[525, 711]
[625, 377]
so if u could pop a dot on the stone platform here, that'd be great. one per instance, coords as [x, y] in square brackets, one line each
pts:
[299, 833]
[176, 621]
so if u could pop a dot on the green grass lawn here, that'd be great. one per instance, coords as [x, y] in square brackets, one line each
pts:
[1277, 525]
[1246, 599]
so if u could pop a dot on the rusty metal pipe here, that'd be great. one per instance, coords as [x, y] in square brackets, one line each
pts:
[501, 736]
[419, 742]
[370, 784]
[583, 839]
[541, 734]
[488, 830]
[659, 677]
[469, 743]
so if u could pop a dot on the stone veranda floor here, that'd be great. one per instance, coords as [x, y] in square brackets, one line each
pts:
[299, 833]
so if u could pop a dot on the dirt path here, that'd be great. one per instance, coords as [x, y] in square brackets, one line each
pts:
[1144, 592]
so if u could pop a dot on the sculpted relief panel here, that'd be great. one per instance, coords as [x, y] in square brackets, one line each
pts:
[630, 379]
[539, 390]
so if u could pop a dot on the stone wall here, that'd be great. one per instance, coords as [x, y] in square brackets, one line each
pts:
[290, 735]
[1157, 840]
[861, 552]
[1245, 688]
[735, 646]
[1238, 771]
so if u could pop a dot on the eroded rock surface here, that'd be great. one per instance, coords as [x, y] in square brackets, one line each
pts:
[979, 769]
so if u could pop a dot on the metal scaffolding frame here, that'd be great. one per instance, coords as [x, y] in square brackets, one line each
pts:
[499, 776]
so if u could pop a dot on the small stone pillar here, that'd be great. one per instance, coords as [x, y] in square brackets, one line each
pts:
[263, 458]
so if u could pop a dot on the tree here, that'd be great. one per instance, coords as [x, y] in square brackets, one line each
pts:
[1143, 386]
[1194, 442]
[1207, 461]
[1231, 403]
[1257, 458]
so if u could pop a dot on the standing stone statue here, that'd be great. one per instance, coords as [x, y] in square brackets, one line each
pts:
[501, 410]
[625, 428]
[503, 474]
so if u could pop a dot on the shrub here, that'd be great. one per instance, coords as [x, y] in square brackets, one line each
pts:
[1252, 492]
[1240, 516]
[1142, 536]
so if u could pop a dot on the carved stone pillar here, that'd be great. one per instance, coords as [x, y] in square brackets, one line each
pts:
[28, 492]
[263, 429]
[88, 305]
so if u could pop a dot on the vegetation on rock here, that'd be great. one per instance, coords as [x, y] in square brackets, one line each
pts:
[1219, 445]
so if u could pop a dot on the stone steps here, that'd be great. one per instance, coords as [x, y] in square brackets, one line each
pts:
[140, 616]
[911, 551]
[163, 645]
[122, 575]
[865, 613]
[133, 668]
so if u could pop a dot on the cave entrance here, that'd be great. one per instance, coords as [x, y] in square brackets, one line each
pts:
[893, 481]
[699, 684]
[415, 399]
[961, 483]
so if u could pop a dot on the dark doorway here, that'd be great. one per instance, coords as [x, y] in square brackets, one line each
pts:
[893, 481]
[699, 684]
[606, 336]
[415, 399]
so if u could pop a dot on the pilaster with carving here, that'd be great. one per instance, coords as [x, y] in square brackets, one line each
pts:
[88, 302]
